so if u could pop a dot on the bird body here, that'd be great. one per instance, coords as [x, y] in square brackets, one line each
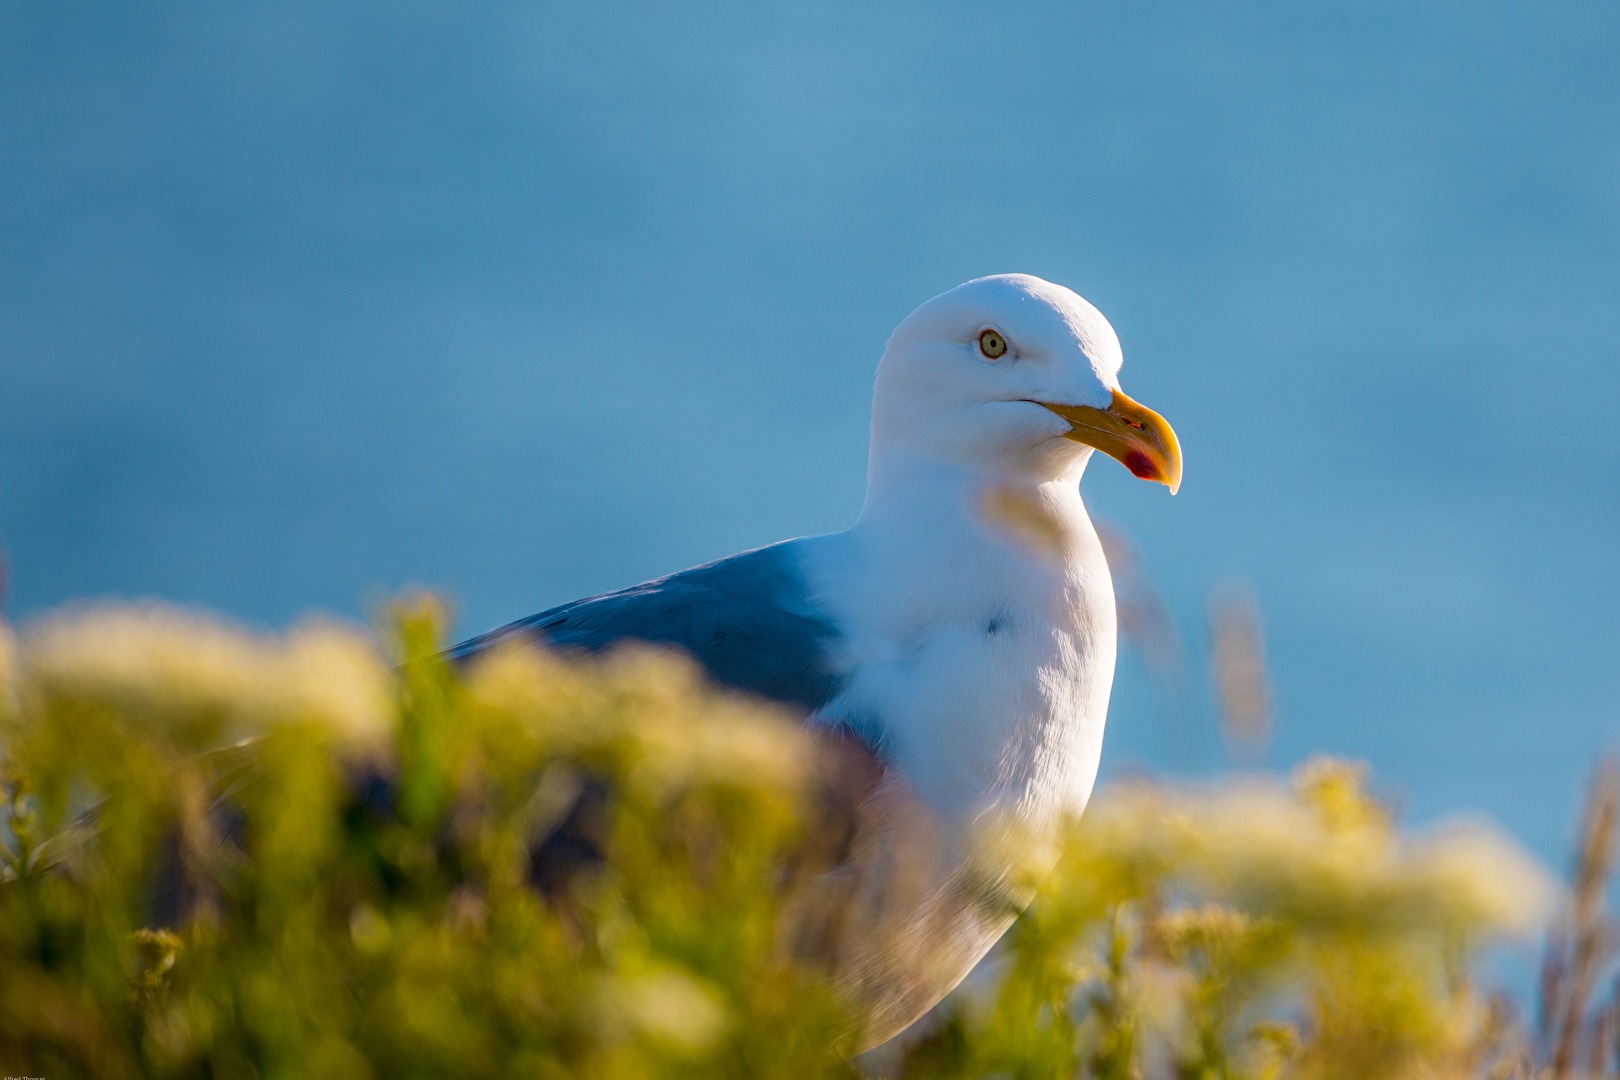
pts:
[960, 635]
[981, 665]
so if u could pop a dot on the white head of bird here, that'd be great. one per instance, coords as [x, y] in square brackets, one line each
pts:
[1014, 375]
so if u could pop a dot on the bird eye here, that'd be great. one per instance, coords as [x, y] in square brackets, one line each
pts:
[992, 345]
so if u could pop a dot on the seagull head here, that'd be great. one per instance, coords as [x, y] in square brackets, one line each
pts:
[1013, 373]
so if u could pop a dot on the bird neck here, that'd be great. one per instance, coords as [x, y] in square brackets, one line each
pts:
[907, 492]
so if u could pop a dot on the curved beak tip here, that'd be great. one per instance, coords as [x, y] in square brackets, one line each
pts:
[1170, 476]
[1145, 468]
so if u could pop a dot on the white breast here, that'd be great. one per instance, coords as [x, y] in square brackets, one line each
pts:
[983, 664]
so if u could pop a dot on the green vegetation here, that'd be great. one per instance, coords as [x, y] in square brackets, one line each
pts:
[198, 879]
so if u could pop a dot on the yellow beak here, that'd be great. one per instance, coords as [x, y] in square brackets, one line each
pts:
[1132, 434]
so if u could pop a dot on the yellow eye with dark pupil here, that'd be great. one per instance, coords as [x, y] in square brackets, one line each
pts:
[992, 345]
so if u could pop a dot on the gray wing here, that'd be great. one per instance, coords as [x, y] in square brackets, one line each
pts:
[747, 620]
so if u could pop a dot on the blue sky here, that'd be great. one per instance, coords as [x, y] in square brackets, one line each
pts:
[303, 303]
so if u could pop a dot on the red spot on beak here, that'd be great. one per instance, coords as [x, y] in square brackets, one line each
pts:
[1141, 465]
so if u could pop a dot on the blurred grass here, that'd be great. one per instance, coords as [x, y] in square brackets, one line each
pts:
[229, 855]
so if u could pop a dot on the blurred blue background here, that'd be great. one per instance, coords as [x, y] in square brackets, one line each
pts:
[301, 303]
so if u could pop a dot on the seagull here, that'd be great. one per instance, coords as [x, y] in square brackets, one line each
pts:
[957, 642]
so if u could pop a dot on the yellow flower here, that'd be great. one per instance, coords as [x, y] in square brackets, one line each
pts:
[332, 674]
[1489, 878]
[204, 680]
[669, 1008]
